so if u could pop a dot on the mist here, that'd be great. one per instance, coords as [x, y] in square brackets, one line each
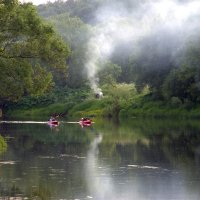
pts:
[167, 22]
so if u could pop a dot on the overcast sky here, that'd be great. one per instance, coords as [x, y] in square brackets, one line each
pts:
[37, 2]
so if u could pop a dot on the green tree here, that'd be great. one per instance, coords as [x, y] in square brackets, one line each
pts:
[84, 9]
[182, 83]
[76, 34]
[108, 73]
[118, 96]
[29, 51]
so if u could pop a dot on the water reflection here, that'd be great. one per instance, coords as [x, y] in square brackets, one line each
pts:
[143, 160]
[3, 145]
[132, 181]
[158, 163]
[99, 186]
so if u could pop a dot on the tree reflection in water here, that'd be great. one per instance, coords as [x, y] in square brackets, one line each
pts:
[140, 159]
[144, 161]
[99, 187]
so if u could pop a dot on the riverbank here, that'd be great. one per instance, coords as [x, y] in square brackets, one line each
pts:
[105, 108]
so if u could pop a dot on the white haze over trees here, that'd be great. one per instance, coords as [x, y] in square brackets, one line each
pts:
[37, 2]
[118, 24]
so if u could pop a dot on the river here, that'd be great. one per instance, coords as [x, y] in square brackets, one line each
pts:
[127, 160]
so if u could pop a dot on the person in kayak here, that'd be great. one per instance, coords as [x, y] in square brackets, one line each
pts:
[84, 119]
[52, 119]
[85, 122]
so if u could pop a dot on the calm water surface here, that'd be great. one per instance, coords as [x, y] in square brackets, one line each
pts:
[131, 160]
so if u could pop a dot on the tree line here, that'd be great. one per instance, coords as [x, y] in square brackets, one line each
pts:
[170, 76]
[44, 47]
[32, 54]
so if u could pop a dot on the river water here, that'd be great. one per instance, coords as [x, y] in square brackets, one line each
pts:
[127, 160]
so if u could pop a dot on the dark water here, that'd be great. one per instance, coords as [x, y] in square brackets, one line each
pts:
[130, 160]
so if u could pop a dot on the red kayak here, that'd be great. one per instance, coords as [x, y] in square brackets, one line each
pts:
[53, 123]
[85, 122]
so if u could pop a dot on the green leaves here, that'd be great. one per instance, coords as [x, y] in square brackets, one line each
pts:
[182, 83]
[14, 78]
[76, 34]
[29, 52]
[41, 81]
[118, 96]
[109, 73]
[3, 145]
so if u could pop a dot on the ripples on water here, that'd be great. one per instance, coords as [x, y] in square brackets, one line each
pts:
[142, 160]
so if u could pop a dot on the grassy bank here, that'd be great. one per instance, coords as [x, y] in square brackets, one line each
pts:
[160, 109]
[120, 101]
[58, 102]
[90, 108]
[38, 113]
[140, 108]
[104, 108]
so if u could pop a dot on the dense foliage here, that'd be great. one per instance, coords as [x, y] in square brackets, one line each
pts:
[3, 145]
[163, 64]
[29, 51]
[76, 34]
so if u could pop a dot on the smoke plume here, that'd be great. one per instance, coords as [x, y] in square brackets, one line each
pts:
[118, 23]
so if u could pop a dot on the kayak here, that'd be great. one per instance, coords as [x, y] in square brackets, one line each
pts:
[53, 123]
[87, 122]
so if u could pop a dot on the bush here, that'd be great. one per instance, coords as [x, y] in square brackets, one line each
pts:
[188, 104]
[175, 102]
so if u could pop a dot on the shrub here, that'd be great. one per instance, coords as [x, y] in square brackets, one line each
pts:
[175, 102]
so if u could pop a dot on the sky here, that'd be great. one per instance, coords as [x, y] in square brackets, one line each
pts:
[37, 2]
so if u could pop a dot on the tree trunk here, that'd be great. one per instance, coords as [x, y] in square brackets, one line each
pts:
[1, 113]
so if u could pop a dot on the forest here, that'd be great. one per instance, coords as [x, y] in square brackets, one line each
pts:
[143, 57]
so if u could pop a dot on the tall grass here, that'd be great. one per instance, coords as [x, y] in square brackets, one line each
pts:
[121, 101]
[40, 113]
